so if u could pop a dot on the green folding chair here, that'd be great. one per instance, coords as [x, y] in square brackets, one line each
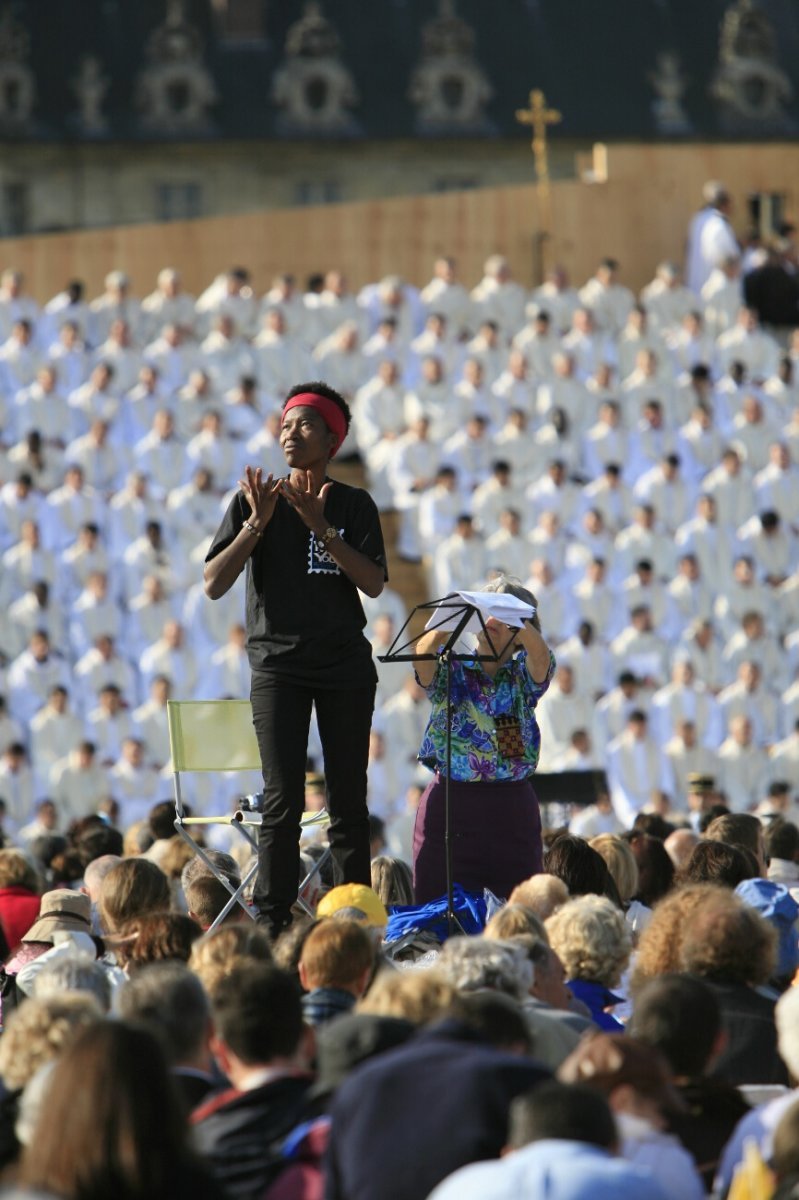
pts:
[218, 735]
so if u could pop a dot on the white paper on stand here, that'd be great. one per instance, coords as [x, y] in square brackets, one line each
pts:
[502, 606]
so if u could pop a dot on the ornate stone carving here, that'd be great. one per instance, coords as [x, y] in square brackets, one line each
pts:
[175, 90]
[312, 86]
[668, 84]
[91, 87]
[749, 85]
[449, 87]
[17, 85]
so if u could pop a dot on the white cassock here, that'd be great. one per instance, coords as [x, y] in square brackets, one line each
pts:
[636, 770]
[743, 775]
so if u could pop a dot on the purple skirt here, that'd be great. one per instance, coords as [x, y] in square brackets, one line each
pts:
[496, 837]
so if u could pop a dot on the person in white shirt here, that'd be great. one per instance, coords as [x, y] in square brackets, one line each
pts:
[116, 303]
[743, 767]
[594, 599]
[605, 442]
[744, 594]
[471, 451]
[100, 666]
[108, 724]
[590, 658]
[749, 697]
[94, 613]
[151, 726]
[168, 304]
[439, 508]
[78, 783]
[495, 494]
[20, 358]
[229, 295]
[339, 358]
[378, 420]
[703, 537]
[539, 344]
[666, 300]
[434, 401]
[556, 297]
[445, 295]
[638, 771]
[690, 595]
[33, 675]
[436, 340]
[171, 656]
[722, 296]
[508, 550]
[753, 643]
[640, 650]
[490, 350]
[710, 236]
[664, 487]
[226, 355]
[55, 731]
[772, 546]
[564, 390]
[96, 400]
[515, 387]
[686, 700]
[135, 786]
[567, 710]
[227, 674]
[43, 407]
[411, 472]
[24, 564]
[335, 305]
[746, 343]
[776, 486]
[118, 352]
[498, 297]
[637, 337]
[607, 299]
[15, 305]
[642, 539]
[460, 560]
[687, 757]
[690, 346]
[611, 498]
[614, 709]
[173, 356]
[70, 358]
[589, 347]
[730, 485]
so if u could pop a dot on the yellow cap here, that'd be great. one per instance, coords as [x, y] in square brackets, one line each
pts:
[369, 908]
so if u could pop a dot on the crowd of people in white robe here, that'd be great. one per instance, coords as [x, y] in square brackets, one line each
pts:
[632, 460]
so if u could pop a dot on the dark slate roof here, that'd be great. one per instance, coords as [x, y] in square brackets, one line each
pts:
[593, 59]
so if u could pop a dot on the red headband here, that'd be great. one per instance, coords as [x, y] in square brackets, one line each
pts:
[329, 411]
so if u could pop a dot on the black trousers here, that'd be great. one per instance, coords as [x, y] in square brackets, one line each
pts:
[281, 713]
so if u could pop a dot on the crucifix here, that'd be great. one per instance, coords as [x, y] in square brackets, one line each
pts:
[539, 117]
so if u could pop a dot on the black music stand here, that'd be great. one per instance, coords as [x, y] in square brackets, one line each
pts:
[399, 651]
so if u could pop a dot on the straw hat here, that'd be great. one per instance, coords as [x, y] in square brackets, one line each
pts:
[61, 911]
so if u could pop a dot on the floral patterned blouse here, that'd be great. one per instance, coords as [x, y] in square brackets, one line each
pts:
[495, 736]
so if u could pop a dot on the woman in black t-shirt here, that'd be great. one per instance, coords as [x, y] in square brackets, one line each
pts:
[308, 543]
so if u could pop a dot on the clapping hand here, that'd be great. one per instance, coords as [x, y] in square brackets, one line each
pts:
[302, 497]
[261, 495]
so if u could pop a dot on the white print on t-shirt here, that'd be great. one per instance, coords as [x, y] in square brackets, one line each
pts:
[320, 561]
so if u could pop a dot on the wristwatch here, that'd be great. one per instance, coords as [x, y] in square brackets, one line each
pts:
[330, 534]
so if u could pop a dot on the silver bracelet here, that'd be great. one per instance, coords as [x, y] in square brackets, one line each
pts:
[255, 532]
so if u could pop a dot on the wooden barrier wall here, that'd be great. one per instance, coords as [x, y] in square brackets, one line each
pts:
[636, 208]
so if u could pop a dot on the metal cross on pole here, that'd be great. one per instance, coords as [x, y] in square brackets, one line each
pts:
[539, 117]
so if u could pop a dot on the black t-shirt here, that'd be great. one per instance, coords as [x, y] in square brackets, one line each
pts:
[304, 616]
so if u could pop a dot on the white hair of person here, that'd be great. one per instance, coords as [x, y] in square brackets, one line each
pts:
[474, 963]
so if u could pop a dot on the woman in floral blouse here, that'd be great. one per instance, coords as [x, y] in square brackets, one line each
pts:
[495, 821]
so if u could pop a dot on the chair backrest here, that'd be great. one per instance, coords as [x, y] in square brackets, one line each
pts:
[212, 735]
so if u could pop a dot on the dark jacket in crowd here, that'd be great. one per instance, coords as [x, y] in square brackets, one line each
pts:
[405, 1120]
[713, 1110]
[241, 1134]
[750, 1055]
